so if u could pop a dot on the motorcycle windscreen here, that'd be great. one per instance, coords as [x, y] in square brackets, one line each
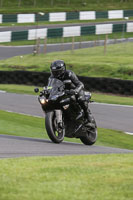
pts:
[55, 87]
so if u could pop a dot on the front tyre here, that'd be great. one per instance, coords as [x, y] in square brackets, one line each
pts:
[57, 136]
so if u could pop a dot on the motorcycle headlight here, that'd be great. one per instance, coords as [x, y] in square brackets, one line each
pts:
[43, 101]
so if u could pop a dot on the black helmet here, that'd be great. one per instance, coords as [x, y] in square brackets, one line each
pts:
[58, 68]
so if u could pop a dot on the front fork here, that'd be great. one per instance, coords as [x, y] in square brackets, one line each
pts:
[59, 120]
[58, 114]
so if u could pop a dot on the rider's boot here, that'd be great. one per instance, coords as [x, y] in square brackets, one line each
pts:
[89, 121]
[88, 116]
[84, 105]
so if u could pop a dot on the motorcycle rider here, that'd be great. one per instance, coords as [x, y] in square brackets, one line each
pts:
[58, 70]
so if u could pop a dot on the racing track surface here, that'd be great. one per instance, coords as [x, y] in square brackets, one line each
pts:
[12, 146]
[107, 116]
[10, 51]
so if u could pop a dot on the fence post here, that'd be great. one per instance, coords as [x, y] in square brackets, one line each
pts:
[34, 3]
[115, 39]
[73, 44]
[38, 46]
[19, 3]
[105, 44]
[45, 45]
[95, 43]
[68, 2]
[52, 2]
[1, 3]
[62, 43]
[80, 42]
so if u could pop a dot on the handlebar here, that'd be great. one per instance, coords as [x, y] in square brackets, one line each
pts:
[70, 92]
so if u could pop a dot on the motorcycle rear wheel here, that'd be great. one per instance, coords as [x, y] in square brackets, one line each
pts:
[50, 123]
[91, 135]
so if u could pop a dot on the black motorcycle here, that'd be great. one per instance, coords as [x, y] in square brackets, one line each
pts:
[63, 115]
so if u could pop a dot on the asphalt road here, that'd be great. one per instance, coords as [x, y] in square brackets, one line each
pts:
[28, 27]
[12, 146]
[10, 51]
[107, 116]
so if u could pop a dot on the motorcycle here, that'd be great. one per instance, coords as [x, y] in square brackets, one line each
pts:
[63, 115]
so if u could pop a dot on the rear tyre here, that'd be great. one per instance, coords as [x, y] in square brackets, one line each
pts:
[51, 127]
[91, 135]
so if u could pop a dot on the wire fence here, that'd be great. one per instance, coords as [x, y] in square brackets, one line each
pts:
[34, 3]
[113, 43]
[76, 36]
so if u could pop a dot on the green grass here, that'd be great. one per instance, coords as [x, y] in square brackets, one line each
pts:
[117, 63]
[112, 99]
[22, 125]
[97, 97]
[29, 126]
[70, 177]
[21, 89]
[11, 6]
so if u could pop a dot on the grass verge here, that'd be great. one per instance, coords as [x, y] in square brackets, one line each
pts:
[117, 63]
[13, 6]
[112, 99]
[28, 126]
[97, 97]
[70, 177]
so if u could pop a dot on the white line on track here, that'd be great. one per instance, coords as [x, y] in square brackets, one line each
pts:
[23, 113]
[129, 133]
[2, 91]
[117, 105]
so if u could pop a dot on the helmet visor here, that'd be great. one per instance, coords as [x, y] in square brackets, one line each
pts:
[57, 73]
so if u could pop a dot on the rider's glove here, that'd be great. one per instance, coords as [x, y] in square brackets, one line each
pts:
[73, 92]
[76, 92]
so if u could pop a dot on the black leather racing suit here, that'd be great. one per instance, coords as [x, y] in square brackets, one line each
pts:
[78, 87]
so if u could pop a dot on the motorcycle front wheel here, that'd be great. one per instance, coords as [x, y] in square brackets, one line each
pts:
[51, 127]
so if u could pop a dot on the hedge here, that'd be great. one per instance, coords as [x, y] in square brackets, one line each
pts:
[107, 85]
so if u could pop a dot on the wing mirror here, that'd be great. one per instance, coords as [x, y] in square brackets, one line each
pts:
[36, 90]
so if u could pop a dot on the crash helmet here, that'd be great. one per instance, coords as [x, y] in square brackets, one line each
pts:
[58, 68]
